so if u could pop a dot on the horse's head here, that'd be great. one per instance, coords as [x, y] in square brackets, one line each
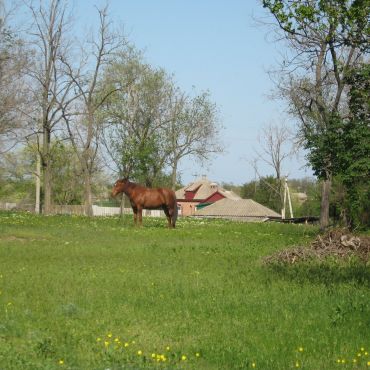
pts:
[119, 187]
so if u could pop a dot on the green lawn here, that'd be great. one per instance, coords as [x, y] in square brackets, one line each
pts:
[79, 293]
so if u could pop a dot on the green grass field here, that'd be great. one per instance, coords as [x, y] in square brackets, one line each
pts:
[79, 293]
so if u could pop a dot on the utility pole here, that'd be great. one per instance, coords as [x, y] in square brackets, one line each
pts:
[287, 195]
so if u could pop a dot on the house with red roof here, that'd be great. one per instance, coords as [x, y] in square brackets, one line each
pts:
[201, 193]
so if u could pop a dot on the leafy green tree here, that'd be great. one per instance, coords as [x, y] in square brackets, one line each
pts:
[326, 39]
[16, 177]
[193, 131]
[135, 118]
[355, 157]
[264, 192]
[151, 125]
[13, 60]
[68, 185]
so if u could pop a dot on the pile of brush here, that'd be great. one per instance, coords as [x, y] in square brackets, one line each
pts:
[337, 243]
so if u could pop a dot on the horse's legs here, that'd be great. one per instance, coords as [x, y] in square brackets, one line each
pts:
[167, 213]
[140, 214]
[173, 216]
[134, 209]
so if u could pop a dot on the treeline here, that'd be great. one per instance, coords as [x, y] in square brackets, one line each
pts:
[304, 193]
[325, 80]
[306, 198]
[75, 108]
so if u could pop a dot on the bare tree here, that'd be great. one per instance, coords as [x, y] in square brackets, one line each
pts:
[47, 81]
[276, 145]
[82, 121]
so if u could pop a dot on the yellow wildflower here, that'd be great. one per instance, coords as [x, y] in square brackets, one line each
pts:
[126, 344]
[183, 358]
[98, 339]
[297, 364]
[153, 355]
[139, 352]
[253, 365]
[106, 343]
[61, 362]
[197, 354]
[300, 349]
[167, 348]
[343, 361]
[116, 340]
[109, 335]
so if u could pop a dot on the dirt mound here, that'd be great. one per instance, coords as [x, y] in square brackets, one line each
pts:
[338, 243]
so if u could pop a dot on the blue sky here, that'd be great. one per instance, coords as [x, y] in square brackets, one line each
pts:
[212, 45]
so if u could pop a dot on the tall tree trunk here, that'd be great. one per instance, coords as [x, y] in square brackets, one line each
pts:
[88, 193]
[38, 183]
[46, 165]
[325, 201]
[88, 161]
[174, 176]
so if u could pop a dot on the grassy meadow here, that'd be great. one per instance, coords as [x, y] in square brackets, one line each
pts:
[79, 293]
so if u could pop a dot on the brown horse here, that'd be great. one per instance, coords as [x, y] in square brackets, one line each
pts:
[148, 198]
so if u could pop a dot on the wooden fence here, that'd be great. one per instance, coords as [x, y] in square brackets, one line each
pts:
[101, 211]
[80, 210]
[8, 206]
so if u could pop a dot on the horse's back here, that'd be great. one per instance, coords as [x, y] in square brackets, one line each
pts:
[151, 198]
[169, 196]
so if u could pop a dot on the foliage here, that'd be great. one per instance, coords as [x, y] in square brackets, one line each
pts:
[68, 281]
[135, 118]
[16, 181]
[262, 192]
[66, 175]
[327, 39]
[355, 158]
[151, 125]
[345, 21]
[17, 175]
[13, 59]
[194, 131]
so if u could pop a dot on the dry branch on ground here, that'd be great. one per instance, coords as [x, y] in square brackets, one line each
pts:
[337, 243]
